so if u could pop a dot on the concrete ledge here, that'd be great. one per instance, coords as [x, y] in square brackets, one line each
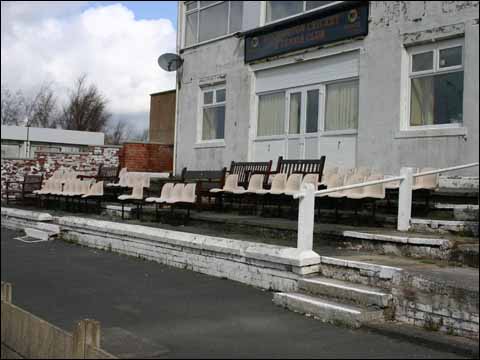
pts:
[399, 239]
[382, 271]
[26, 215]
[264, 252]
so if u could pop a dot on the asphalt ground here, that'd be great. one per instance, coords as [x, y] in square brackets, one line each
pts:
[149, 310]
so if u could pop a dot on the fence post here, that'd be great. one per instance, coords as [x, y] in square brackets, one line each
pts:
[306, 215]
[86, 332]
[405, 199]
[6, 292]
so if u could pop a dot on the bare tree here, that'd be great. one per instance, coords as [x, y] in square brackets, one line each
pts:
[12, 106]
[39, 110]
[118, 132]
[42, 111]
[86, 108]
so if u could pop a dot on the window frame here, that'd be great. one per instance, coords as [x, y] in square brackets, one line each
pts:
[202, 106]
[197, 10]
[435, 47]
[304, 11]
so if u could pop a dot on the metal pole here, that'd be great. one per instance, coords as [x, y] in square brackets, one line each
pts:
[306, 214]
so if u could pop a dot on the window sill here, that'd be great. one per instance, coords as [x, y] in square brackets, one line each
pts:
[454, 131]
[210, 144]
[339, 132]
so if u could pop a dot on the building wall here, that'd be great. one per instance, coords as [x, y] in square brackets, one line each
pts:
[379, 143]
[162, 117]
[147, 157]
[46, 163]
[216, 62]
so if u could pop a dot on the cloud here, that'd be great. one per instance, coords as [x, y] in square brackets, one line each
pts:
[57, 41]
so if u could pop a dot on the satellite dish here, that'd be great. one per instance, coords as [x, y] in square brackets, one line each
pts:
[170, 62]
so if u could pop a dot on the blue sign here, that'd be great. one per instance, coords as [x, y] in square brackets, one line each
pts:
[318, 29]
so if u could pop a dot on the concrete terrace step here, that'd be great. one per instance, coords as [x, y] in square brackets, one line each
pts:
[328, 310]
[353, 293]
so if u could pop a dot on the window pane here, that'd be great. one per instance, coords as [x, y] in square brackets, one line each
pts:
[451, 57]
[213, 21]
[295, 109]
[191, 5]
[191, 29]
[208, 97]
[236, 16]
[213, 123]
[220, 95]
[342, 106]
[312, 111]
[314, 4]
[280, 9]
[206, 3]
[271, 114]
[449, 98]
[437, 99]
[422, 61]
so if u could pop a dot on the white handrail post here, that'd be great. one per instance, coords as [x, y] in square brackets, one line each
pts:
[306, 215]
[405, 199]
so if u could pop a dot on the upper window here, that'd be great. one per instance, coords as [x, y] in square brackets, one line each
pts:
[206, 20]
[277, 10]
[436, 84]
[213, 114]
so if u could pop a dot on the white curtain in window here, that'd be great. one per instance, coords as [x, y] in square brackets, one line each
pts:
[422, 101]
[342, 106]
[271, 114]
[295, 109]
[213, 123]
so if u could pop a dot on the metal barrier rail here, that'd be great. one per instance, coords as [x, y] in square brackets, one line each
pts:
[306, 208]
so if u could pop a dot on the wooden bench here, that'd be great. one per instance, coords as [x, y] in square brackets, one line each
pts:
[23, 188]
[105, 173]
[304, 166]
[246, 169]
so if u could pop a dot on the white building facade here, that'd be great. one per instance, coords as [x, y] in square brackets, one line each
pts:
[378, 84]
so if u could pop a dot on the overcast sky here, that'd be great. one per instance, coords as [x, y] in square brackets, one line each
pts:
[115, 43]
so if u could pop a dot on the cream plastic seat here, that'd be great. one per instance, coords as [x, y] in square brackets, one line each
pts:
[164, 195]
[231, 184]
[328, 172]
[189, 194]
[279, 184]
[255, 184]
[176, 195]
[363, 171]
[95, 190]
[372, 191]
[293, 184]
[333, 181]
[69, 187]
[137, 193]
[311, 179]
[351, 180]
[427, 182]
[346, 172]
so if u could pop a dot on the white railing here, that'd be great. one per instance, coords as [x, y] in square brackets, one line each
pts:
[306, 207]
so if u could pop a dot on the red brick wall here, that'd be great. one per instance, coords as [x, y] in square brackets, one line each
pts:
[149, 157]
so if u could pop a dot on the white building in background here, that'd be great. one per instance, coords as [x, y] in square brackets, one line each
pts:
[23, 142]
[383, 84]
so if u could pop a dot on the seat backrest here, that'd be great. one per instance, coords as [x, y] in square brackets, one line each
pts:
[355, 179]
[188, 193]
[279, 182]
[427, 181]
[294, 182]
[122, 172]
[231, 182]
[246, 169]
[85, 187]
[303, 166]
[311, 179]
[330, 170]
[177, 192]
[69, 186]
[146, 181]
[375, 191]
[256, 182]
[363, 171]
[97, 189]
[131, 179]
[336, 180]
[167, 189]
[137, 191]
